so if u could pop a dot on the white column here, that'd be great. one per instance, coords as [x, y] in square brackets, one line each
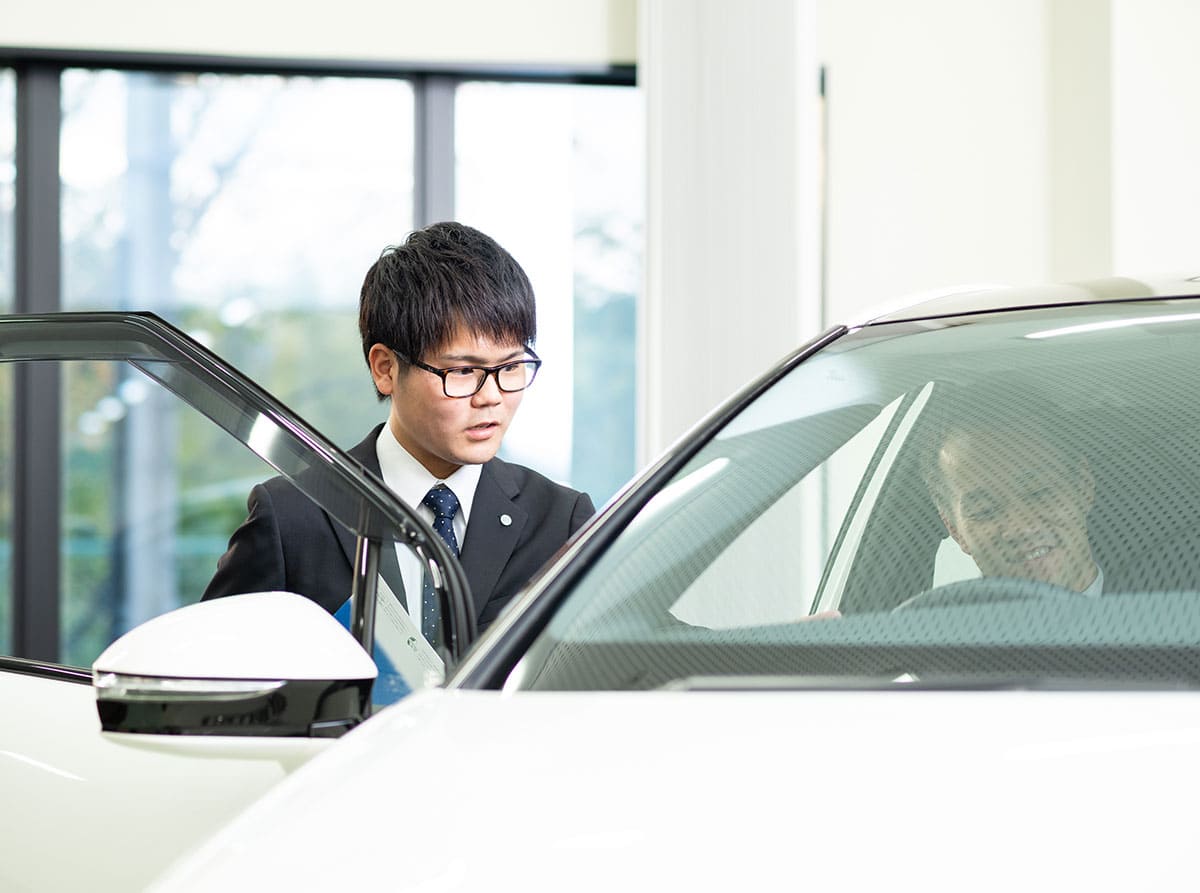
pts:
[1080, 125]
[732, 217]
[1156, 136]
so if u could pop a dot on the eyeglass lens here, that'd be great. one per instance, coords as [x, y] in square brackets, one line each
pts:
[468, 380]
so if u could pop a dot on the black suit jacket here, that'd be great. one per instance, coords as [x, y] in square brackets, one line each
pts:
[288, 543]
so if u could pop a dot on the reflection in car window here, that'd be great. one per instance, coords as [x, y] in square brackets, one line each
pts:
[767, 549]
[151, 491]
[1019, 507]
[136, 545]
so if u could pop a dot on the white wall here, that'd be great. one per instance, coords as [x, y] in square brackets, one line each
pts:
[1008, 141]
[965, 142]
[1156, 136]
[1079, 113]
[541, 32]
[937, 145]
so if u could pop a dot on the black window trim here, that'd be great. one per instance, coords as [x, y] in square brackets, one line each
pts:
[45, 670]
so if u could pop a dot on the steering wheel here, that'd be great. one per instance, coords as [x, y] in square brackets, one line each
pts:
[984, 590]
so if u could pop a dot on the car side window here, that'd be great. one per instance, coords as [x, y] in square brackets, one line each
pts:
[791, 539]
[151, 491]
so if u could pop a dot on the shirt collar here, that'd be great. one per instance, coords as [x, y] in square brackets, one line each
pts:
[410, 480]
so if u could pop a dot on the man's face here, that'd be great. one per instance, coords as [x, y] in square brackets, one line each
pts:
[1019, 507]
[442, 432]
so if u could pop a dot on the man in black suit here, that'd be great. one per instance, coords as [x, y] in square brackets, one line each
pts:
[447, 322]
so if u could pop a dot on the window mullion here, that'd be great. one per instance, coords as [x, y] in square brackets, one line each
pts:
[433, 160]
[36, 506]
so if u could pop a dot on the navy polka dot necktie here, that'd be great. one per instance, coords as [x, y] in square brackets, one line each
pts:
[444, 504]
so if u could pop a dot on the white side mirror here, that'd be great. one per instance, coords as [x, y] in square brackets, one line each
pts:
[266, 663]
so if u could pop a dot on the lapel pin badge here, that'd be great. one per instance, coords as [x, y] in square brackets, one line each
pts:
[506, 520]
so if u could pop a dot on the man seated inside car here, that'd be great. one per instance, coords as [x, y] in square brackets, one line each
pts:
[1013, 497]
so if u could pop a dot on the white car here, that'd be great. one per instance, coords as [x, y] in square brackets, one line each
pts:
[918, 609]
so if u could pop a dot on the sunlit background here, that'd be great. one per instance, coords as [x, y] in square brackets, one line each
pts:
[246, 209]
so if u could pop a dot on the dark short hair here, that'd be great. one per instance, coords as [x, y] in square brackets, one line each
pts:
[985, 411]
[445, 276]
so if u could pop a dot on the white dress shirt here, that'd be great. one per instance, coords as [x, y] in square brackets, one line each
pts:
[410, 480]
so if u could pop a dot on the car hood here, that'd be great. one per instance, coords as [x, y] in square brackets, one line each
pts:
[721, 790]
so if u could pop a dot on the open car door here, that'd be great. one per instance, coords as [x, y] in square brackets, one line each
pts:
[159, 717]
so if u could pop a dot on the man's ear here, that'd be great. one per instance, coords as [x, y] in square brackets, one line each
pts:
[383, 364]
[953, 531]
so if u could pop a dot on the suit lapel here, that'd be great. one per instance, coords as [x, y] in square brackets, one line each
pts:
[489, 542]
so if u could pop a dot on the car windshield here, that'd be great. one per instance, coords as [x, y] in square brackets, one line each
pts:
[1003, 499]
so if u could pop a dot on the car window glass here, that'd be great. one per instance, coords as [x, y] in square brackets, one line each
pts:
[1026, 508]
[151, 490]
[138, 540]
[768, 549]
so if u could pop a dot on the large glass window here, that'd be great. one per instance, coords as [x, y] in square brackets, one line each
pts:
[555, 172]
[245, 209]
[8, 171]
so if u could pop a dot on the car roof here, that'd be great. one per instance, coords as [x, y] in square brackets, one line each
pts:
[989, 298]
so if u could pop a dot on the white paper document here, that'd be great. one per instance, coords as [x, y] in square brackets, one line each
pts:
[398, 640]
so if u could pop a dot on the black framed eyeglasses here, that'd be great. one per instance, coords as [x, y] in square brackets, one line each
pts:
[467, 381]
